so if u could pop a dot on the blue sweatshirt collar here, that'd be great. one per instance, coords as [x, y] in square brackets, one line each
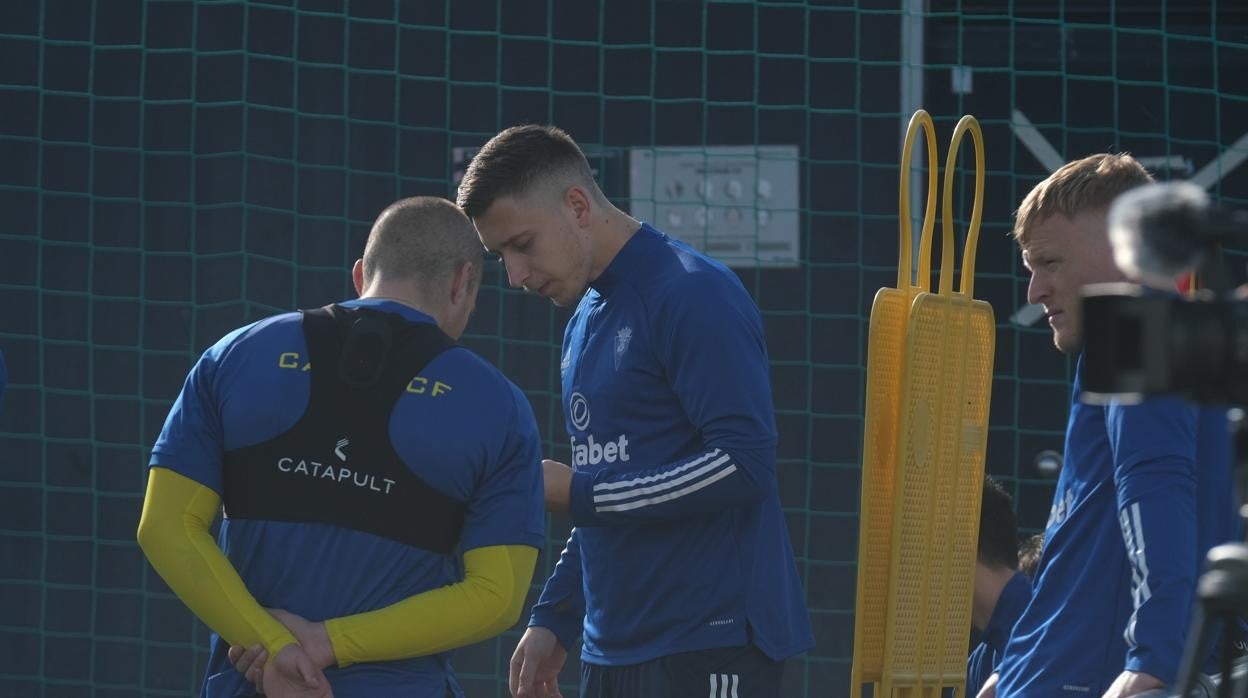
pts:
[630, 258]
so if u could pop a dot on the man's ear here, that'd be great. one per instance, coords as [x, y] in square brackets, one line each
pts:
[461, 282]
[580, 203]
[357, 276]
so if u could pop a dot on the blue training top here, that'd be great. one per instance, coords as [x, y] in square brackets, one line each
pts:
[461, 427]
[679, 541]
[987, 654]
[1145, 491]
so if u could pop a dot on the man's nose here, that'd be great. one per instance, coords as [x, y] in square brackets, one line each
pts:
[517, 274]
[1037, 289]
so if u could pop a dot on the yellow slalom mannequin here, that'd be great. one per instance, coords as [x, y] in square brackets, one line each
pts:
[885, 352]
[939, 437]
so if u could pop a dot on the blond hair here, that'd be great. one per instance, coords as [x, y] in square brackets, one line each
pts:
[1090, 184]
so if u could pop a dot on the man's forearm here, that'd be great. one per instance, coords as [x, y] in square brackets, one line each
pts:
[487, 602]
[1158, 526]
[561, 607]
[710, 481]
[173, 533]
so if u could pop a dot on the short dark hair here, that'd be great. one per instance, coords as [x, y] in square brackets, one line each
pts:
[1029, 554]
[425, 238]
[517, 160]
[998, 528]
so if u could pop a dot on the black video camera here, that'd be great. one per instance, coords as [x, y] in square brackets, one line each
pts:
[1139, 341]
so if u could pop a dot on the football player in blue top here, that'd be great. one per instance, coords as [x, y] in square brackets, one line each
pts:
[679, 574]
[361, 458]
[1000, 590]
[1145, 490]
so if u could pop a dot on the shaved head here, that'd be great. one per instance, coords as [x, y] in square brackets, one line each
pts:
[422, 239]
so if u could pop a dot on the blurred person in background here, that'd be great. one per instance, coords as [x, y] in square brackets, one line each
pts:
[1001, 588]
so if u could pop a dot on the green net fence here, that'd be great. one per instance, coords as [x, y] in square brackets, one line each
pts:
[171, 170]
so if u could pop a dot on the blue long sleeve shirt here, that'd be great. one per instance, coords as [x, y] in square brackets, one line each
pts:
[679, 543]
[1145, 491]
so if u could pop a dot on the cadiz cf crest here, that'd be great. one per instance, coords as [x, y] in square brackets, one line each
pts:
[621, 344]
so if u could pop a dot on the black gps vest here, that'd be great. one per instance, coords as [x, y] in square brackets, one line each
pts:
[336, 465]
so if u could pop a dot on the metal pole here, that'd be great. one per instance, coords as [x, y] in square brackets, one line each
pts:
[911, 80]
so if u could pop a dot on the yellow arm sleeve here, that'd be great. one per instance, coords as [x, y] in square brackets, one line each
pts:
[487, 602]
[173, 532]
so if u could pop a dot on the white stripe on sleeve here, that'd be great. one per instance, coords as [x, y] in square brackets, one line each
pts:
[637, 504]
[607, 486]
[662, 487]
[1139, 555]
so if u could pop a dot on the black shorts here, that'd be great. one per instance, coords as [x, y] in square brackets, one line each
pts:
[723, 672]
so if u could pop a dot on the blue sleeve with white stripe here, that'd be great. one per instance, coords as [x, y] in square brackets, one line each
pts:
[1154, 448]
[709, 338]
[561, 607]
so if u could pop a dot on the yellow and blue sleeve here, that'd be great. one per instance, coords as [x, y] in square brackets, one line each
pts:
[173, 533]
[485, 603]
